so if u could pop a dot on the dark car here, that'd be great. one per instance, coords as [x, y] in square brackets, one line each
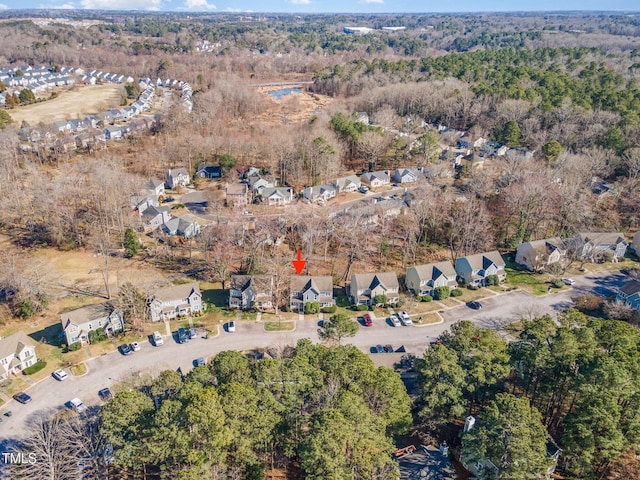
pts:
[104, 394]
[367, 320]
[192, 333]
[379, 349]
[182, 335]
[436, 342]
[22, 397]
[198, 362]
[388, 348]
[125, 349]
[475, 305]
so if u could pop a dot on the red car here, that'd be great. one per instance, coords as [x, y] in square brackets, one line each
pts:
[367, 320]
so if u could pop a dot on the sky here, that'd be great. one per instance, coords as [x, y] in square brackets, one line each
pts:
[329, 6]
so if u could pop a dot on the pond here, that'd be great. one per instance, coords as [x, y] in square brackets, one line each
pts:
[284, 91]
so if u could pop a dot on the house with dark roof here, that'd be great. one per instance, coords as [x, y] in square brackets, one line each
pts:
[174, 301]
[77, 323]
[209, 171]
[251, 291]
[365, 287]
[630, 294]
[17, 352]
[423, 279]
[476, 269]
[305, 289]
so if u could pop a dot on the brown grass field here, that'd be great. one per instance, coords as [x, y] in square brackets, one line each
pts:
[77, 102]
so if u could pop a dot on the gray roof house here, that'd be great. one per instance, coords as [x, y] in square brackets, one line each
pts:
[77, 323]
[17, 352]
[365, 287]
[141, 202]
[113, 133]
[257, 183]
[406, 175]
[319, 193]
[630, 294]
[177, 176]
[305, 289]
[251, 291]
[174, 301]
[597, 246]
[539, 254]
[476, 269]
[347, 184]
[423, 279]
[183, 226]
[155, 186]
[277, 196]
[376, 179]
[154, 217]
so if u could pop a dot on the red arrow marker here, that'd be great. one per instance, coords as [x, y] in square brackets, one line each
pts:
[299, 263]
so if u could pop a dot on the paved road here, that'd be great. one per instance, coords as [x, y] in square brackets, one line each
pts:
[50, 395]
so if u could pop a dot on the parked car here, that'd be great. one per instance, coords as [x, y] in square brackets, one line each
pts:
[363, 189]
[379, 349]
[395, 320]
[135, 346]
[405, 319]
[77, 405]
[182, 335]
[475, 305]
[157, 339]
[22, 397]
[192, 333]
[60, 375]
[388, 348]
[125, 349]
[568, 281]
[104, 394]
[366, 318]
[231, 326]
[198, 362]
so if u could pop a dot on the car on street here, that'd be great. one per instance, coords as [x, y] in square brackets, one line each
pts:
[125, 349]
[379, 349]
[568, 281]
[192, 333]
[198, 362]
[76, 404]
[395, 320]
[475, 305]
[405, 319]
[22, 397]
[182, 335]
[157, 339]
[366, 319]
[60, 374]
[135, 346]
[388, 348]
[104, 394]
[231, 326]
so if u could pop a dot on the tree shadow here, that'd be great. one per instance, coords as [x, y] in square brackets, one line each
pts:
[51, 335]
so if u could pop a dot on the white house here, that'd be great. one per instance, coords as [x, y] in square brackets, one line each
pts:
[376, 179]
[17, 352]
[347, 184]
[177, 177]
[305, 289]
[423, 279]
[174, 301]
[319, 192]
[365, 287]
[277, 196]
[476, 269]
[539, 254]
[406, 175]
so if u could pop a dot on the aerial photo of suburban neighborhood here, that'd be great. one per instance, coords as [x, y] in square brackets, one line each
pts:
[331, 246]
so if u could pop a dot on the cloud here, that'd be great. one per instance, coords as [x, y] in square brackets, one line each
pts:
[301, 2]
[372, 1]
[198, 5]
[3, 7]
[121, 4]
[64, 6]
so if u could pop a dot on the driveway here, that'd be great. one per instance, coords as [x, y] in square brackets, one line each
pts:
[50, 395]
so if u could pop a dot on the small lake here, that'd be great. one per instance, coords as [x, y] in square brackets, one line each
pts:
[285, 91]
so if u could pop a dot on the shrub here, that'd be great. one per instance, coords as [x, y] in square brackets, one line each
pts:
[493, 280]
[558, 284]
[456, 292]
[97, 335]
[331, 309]
[311, 307]
[287, 308]
[426, 298]
[472, 287]
[36, 367]
[361, 308]
[380, 299]
[440, 293]
[75, 346]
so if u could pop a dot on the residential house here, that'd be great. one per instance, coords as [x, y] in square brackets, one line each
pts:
[598, 246]
[406, 175]
[209, 171]
[154, 217]
[237, 194]
[251, 291]
[155, 186]
[376, 179]
[630, 294]
[305, 289]
[277, 196]
[476, 269]
[365, 287]
[635, 244]
[539, 254]
[362, 117]
[177, 177]
[183, 226]
[257, 183]
[174, 301]
[62, 126]
[423, 279]
[77, 323]
[113, 133]
[373, 213]
[319, 193]
[347, 184]
[518, 154]
[78, 125]
[140, 203]
[17, 352]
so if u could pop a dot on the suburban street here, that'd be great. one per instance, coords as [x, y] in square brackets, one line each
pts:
[50, 395]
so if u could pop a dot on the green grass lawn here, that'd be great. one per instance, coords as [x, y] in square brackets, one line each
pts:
[79, 369]
[520, 277]
[428, 318]
[279, 326]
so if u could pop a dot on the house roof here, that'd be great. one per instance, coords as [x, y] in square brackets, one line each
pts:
[431, 271]
[259, 283]
[482, 261]
[14, 344]
[174, 172]
[544, 246]
[380, 175]
[152, 211]
[86, 314]
[631, 288]
[602, 238]
[153, 183]
[302, 283]
[372, 280]
[173, 292]
[178, 224]
[278, 191]
[343, 182]
[210, 169]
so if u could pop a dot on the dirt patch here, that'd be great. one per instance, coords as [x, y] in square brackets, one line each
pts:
[77, 102]
[291, 108]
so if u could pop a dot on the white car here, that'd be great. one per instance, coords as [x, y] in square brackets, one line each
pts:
[568, 281]
[135, 346]
[395, 320]
[406, 320]
[77, 405]
[157, 339]
[60, 375]
[231, 327]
